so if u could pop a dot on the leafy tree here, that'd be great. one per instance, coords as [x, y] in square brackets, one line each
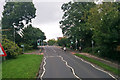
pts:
[51, 42]
[15, 16]
[104, 20]
[63, 42]
[31, 35]
[73, 23]
[84, 22]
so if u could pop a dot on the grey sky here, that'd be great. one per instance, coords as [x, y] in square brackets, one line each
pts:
[48, 15]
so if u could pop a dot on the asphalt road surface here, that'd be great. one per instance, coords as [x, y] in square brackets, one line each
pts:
[62, 65]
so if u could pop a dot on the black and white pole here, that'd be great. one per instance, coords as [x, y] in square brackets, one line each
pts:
[76, 43]
[92, 45]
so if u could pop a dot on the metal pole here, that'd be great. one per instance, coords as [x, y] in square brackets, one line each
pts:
[92, 46]
[23, 50]
[41, 42]
[76, 43]
[14, 34]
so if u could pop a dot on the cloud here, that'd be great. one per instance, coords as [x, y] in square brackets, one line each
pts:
[51, 30]
[48, 12]
[47, 18]
[2, 3]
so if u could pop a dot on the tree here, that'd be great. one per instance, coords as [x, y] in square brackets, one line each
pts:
[73, 23]
[63, 42]
[15, 16]
[105, 21]
[31, 35]
[51, 42]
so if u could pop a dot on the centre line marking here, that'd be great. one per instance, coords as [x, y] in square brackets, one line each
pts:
[63, 61]
[70, 67]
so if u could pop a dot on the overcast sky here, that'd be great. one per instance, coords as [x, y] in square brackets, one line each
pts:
[48, 15]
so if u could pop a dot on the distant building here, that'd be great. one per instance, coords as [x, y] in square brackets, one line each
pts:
[59, 38]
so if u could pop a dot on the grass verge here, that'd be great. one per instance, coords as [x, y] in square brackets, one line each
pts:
[24, 66]
[30, 51]
[102, 65]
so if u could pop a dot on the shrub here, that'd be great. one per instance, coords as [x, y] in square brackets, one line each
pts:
[11, 48]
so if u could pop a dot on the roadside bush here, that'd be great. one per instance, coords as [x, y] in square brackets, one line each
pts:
[95, 50]
[52, 42]
[27, 47]
[11, 48]
[88, 50]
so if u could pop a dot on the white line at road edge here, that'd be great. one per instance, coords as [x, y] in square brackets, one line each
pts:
[69, 67]
[43, 68]
[96, 67]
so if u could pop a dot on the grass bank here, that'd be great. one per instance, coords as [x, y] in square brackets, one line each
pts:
[102, 65]
[24, 66]
[30, 51]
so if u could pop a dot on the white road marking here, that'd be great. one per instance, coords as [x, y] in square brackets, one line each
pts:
[63, 61]
[69, 67]
[96, 67]
[53, 50]
[51, 56]
[43, 68]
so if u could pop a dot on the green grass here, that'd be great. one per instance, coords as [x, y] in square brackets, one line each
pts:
[102, 65]
[30, 51]
[24, 66]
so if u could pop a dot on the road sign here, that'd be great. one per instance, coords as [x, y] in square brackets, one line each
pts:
[22, 45]
[2, 51]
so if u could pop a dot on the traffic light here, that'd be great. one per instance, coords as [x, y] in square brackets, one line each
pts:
[38, 42]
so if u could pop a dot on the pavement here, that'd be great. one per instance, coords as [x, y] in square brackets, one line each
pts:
[61, 65]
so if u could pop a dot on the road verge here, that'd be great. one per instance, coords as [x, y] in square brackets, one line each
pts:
[106, 67]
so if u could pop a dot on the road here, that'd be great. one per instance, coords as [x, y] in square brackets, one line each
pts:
[62, 65]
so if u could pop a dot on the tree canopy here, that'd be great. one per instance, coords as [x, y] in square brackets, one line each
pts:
[90, 24]
[16, 15]
[30, 35]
